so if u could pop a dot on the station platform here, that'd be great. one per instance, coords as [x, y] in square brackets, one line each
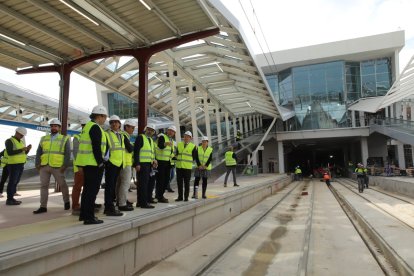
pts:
[57, 243]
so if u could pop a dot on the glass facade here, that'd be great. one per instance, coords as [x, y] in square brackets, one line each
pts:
[319, 93]
[122, 106]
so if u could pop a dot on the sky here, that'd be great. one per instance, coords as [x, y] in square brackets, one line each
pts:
[272, 25]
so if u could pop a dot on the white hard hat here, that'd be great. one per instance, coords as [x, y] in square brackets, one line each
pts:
[55, 122]
[115, 118]
[84, 121]
[152, 126]
[131, 122]
[21, 130]
[173, 128]
[204, 138]
[188, 133]
[100, 109]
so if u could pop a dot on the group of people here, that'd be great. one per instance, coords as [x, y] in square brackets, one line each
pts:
[111, 154]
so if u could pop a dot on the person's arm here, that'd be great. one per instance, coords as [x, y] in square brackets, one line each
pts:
[235, 156]
[96, 139]
[75, 147]
[209, 160]
[9, 148]
[66, 157]
[137, 147]
[128, 145]
[161, 142]
[39, 153]
[195, 157]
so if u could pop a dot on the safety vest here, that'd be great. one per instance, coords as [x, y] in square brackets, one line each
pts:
[116, 148]
[298, 171]
[203, 156]
[359, 171]
[53, 151]
[228, 158]
[85, 155]
[4, 159]
[326, 177]
[166, 153]
[19, 158]
[146, 153]
[75, 168]
[129, 156]
[185, 156]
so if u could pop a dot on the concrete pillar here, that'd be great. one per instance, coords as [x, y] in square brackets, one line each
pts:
[234, 126]
[254, 122]
[261, 120]
[191, 96]
[404, 110]
[251, 122]
[401, 157]
[392, 111]
[364, 150]
[246, 124]
[218, 124]
[174, 102]
[241, 124]
[362, 118]
[386, 112]
[398, 110]
[412, 111]
[226, 118]
[207, 117]
[281, 157]
[353, 118]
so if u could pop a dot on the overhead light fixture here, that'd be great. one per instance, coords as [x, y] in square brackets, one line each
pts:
[248, 104]
[145, 4]
[12, 39]
[79, 12]
[219, 67]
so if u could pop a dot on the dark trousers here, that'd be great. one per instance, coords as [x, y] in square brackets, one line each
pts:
[183, 179]
[163, 178]
[231, 169]
[204, 184]
[111, 177]
[15, 172]
[92, 178]
[4, 177]
[143, 177]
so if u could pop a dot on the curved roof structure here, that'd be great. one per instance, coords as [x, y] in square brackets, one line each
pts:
[35, 33]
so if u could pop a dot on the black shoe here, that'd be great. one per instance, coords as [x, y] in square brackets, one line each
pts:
[40, 210]
[179, 199]
[170, 190]
[128, 203]
[97, 206]
[204, 196]
[147, 207]
[163, 200]
[67, 205]
[13, 202]
[126, 208]
[236, 185]
[113, 213]
[92, 221]
[185, 199]
[81, 218]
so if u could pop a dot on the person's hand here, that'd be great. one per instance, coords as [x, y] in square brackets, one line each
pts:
[167, 143]
[138, 168]
[155, 164]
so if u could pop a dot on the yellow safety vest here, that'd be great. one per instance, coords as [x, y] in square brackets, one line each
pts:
[166, 153]
[228, 158]
[298, 171]
[359, 171]
[53, 151]
[203, 156]
[129, 156]
[4, 159]
[185, 156]
[85, 155]
[116, 148]
[75, 168]
[146, 153]
[19, 158]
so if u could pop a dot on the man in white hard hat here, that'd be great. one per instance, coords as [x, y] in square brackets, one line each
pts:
[90, 160]
[52, 158]
[124, 180]
[115, 162]
[186, 154]
[16, 154]
[165, 150]
[144, 162]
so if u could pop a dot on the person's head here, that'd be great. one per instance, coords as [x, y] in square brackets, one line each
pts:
[188, 136]
[204, 141]
[233, 147]
[20, 133]
[115, 122]
[360, 165]
[149, 130]
[171, 131]
[130, 125]
[55, 126]
[99, 114]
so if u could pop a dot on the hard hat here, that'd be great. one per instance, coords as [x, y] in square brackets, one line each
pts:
[84, 121]
[152, 126]
[131, 122]
[55, 122]
[173, 128]
[21, 130]
[115, 118]
[188, 133]
[100, 109]
[204, 138]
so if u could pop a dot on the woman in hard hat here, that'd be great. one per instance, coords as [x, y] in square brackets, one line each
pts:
[186, 154]
[203, 169]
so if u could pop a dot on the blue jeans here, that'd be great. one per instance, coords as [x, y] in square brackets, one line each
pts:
[15, 172]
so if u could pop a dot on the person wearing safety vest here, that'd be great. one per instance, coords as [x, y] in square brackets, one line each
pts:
[327, 179]
[230, 160]
[203, 160]
[186, 154]
[360, 172]
[124, 179]
[366, 178]
[52, 158]
[298, 173]
[163, 153]
[78, 177]
[238, 135]
[144, 162]
[15, 154]
[90, 160]
[5, 172]
[171, 176]
[115, 161]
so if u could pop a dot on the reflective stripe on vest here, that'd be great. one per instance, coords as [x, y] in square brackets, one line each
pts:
[129, 156]
[203, 156]
[164, 154]
[53, 151]
[116, 148]
[146, 153]
[85, 155]
[185, 156]
[19, 158]
[230, 161]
